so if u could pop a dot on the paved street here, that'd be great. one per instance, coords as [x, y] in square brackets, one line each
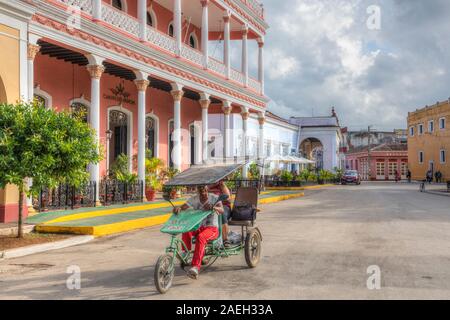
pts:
[316, 247]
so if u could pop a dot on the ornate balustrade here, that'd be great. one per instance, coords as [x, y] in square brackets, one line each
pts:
[254, 84]
[217, 66]
[120, 19]
[237, 76]
[83, 5]
[161, 40]
[192, 55]
[256, 6]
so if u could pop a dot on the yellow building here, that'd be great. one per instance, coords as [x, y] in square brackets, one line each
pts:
[429, 140]
[14, 18]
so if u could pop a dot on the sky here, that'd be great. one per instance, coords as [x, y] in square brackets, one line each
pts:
[324, 53]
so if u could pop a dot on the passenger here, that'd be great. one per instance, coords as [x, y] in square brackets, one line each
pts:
[209, 229]
[222, 189]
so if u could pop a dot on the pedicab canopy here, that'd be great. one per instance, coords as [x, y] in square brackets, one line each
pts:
[190, 220]
[204, 175]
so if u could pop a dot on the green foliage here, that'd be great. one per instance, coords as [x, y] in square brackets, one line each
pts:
[286, 176]
[121, 172]
[253, 172]
[304, 175]
[49, 147]
[312, 177]
[154, 175]
[339, 173]
[235, 176]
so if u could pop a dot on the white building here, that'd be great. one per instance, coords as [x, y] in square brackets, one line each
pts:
[280, 136]
[320, 139]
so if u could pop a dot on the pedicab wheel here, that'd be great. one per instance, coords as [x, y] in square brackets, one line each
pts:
[164, 273]
[252, 248]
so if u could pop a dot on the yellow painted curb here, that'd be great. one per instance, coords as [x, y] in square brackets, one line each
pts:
[108, 212]
[299, 188]
[281, 198]
[120, 227]
[64, 229]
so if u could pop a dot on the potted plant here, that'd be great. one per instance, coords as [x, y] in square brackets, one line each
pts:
[153, 176]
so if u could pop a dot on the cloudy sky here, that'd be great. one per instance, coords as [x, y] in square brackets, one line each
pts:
[321, 53]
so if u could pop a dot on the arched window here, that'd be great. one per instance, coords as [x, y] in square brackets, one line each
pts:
[193, 41]
[43, 97]
[171, 29]
[117, 4]
[80, 111]
[149, 19]
[150, 128]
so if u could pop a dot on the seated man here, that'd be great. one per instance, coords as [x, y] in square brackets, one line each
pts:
[222, 189]
[209, 229]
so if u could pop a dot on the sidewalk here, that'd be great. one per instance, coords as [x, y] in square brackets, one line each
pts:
[105, 221]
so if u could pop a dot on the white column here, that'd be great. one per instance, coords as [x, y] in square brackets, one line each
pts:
[177, 94]
[33, 49]
[226, 108]
[205, 33]
[96, 70]
[261, 63]
[245, 54]
[142, 85]
[245, 115]
[262, 121]
[177, 25]
[97, 9]
[204, 103]
[227, 42]
[142, 16]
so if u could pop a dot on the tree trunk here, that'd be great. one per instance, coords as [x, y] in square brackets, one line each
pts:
[20, 222]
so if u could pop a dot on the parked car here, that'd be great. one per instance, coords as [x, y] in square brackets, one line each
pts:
[351, 176]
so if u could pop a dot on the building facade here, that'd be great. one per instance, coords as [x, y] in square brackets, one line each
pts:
[381, 163]
[429, 140]
[320, 139]
[141, 70]
[279, 136]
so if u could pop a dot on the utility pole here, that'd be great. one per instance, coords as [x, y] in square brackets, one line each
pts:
[369, 173]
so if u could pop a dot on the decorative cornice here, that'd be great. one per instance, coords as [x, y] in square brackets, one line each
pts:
[42, 20]
[246, 16]
[96, 71]
[32, 51]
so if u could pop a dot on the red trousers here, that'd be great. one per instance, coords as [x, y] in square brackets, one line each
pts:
[202, 236]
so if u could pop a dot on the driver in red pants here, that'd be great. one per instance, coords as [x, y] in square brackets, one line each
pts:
[209, 229]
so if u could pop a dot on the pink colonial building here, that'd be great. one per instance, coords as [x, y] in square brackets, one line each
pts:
[143, 71]
[384, 160]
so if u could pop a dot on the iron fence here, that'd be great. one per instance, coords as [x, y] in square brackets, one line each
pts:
[233, 185]
[116, 192]
[65, 197]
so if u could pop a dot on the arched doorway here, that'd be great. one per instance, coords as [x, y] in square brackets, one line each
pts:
[312, 149]
[120, 127]
[171, 144]
[3, 96]
[151, 132]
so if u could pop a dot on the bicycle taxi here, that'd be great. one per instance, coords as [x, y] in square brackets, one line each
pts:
[243, 215]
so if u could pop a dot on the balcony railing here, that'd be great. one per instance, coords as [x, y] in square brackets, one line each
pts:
[120, 19]
[84, 5]
[217, 66]
[192, 55]
[256, 6]
[131, 25]
[254, 84]
[161, 40]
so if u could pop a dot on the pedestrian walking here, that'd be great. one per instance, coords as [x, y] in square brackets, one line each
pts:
[429, 176]
[408, 176]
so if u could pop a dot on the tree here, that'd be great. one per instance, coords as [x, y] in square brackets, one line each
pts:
[47, 146]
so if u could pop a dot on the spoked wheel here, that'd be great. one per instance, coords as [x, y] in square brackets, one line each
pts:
[164, 273]
[252, 248]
